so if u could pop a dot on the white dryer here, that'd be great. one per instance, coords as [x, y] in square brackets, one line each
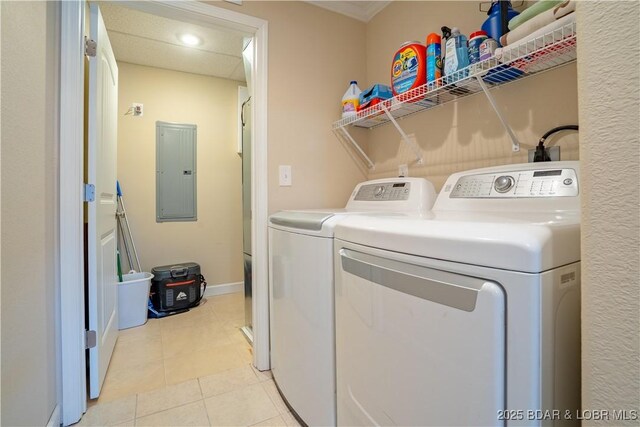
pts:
[301, 291]
[469, 315]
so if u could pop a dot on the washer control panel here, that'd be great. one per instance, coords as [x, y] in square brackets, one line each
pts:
[390, 191]
[518, 184]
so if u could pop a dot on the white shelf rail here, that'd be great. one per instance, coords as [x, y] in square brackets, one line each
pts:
[512, 63]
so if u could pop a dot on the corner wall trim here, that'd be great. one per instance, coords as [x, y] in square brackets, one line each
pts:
[224, 288]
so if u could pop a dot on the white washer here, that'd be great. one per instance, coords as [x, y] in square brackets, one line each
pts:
[301, 291]
[469, 315]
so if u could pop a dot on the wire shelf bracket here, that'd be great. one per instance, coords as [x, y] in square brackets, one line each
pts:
[355, 145]
[515, 144]
[409, 141]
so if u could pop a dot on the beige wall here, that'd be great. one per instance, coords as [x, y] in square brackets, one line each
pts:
[215, 240]
[464, 134]
[29, 216]
[609, 83]
[313, 54]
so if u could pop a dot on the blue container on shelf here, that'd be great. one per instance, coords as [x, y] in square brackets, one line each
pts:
[493, 27]
[502, 74]
[374, 95]
[493, 24]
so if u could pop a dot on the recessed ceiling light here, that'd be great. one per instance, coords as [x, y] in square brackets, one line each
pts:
[190, 39]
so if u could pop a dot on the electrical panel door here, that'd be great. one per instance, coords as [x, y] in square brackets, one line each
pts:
[175, 172]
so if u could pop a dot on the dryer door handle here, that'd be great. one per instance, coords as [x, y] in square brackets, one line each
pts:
[441, 287]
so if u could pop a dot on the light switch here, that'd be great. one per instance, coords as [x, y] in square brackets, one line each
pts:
[285, 176]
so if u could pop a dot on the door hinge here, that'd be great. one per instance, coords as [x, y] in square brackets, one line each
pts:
[90, 339]
[89, 192]
[90, 47]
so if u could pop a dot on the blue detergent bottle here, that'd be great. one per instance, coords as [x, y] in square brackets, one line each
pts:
[456, 56]
[493, 24]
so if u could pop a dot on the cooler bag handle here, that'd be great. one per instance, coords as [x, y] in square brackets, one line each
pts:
[179, 271]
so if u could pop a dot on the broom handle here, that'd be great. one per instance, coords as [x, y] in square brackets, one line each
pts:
[124, 238]
[128, 229]
[133, 245]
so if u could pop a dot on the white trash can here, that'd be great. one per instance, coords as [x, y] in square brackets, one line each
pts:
[133, 295]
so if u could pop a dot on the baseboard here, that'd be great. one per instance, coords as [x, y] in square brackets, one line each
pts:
[55, 419]
[224, 288]
[248, 333]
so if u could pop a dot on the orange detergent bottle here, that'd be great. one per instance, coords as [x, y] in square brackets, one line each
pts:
[409, 69]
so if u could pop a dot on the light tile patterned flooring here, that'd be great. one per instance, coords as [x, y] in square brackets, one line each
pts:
[191, 369]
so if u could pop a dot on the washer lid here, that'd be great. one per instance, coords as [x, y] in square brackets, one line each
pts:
[303, 220]
[528, 243]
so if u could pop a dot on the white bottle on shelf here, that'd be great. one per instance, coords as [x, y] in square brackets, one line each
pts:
[351, 100]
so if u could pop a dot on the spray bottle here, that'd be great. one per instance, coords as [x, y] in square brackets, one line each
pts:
[434, 61]
[457, 56]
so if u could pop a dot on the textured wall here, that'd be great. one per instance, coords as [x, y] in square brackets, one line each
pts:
[466, 134]
[29, 216]
[609, 88]
[313, 54]
[215, 240]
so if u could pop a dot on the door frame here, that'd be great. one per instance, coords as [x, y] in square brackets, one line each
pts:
[72, 321]
[74, 396]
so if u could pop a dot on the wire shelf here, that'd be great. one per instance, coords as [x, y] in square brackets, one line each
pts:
[511, 63]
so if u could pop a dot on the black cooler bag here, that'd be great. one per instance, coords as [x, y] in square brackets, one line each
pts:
[177, 287]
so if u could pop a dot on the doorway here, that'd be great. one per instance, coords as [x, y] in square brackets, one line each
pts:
[74, 391]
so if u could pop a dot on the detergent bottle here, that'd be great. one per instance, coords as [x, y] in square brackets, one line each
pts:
[351, 100]
[408, 69]
[456, 56]
[493, 24]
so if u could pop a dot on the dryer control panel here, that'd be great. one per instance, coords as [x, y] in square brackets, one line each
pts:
[392, 195]
[384, 191]
[534, 183]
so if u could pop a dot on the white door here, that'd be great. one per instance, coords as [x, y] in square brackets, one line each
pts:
[102, 126]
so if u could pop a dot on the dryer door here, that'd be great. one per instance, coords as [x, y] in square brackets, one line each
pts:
[415, 345]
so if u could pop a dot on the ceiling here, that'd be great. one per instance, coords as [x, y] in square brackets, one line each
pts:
[145, 39]
[360, 10]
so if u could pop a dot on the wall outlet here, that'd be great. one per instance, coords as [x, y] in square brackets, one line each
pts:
[137, 109]
[552, 152]
[403, 171]
[285, 176]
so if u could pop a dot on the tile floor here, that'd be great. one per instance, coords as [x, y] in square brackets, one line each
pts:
[192, 369]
